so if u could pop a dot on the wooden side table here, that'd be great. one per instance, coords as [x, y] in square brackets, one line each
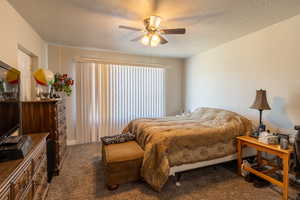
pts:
[244, 141]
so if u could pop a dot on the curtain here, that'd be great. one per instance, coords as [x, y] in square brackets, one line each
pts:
[108, 96]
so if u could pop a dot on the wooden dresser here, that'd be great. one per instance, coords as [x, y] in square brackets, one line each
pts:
[48, 116]
[26, 179]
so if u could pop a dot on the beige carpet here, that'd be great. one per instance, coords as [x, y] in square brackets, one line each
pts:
[82, 179]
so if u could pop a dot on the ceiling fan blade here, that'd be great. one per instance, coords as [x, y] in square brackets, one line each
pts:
[137, 38]
[173, 31]
[163, 40]
[130, 28]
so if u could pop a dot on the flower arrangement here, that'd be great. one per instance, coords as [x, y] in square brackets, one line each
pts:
[63, 83]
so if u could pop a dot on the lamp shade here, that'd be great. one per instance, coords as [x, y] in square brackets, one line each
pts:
[261, 102]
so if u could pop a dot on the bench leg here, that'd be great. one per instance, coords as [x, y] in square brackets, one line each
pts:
[112, 187]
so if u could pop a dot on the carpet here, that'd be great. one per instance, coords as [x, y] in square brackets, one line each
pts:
[82, 178]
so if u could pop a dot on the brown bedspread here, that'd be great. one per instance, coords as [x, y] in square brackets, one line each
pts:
[174, 141]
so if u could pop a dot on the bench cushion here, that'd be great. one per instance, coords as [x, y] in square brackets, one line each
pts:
[123, 152]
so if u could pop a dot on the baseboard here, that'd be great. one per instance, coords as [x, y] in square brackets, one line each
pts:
[71, 142]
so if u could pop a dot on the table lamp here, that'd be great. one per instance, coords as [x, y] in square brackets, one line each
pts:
[261, 104]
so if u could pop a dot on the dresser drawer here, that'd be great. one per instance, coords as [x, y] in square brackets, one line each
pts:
[39, 157]
[61, 118]
[6, 194]
[62, 138]
[62, 131]
[22, 181]
[60, 122]
[62, 146]
[61, 149]
[61, 108]
[28, 194]
[40, 177]
[42, 191]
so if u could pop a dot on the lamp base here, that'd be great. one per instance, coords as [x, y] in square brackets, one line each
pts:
[255, 134]
[261, 128]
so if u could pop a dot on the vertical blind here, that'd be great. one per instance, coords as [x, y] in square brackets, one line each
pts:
[108, 96]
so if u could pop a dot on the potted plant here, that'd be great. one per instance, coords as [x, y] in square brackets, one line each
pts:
[62, 84]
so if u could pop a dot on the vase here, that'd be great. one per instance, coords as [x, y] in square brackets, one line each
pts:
[42, 92]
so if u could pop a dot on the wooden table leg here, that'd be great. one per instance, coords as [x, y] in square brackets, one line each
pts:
[259, 158]
[285, 160]
[239, 156]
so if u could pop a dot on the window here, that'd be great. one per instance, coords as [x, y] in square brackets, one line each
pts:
[108, 96]
[135, 92]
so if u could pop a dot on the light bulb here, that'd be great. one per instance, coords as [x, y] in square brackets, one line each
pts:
[155, 40]
[145, 40]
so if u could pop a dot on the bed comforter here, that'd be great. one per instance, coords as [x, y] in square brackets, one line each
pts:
[205, 134]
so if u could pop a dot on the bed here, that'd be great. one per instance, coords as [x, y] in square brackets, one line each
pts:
[173, 144]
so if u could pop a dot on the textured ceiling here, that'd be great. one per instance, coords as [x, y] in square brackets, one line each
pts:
[94, 23]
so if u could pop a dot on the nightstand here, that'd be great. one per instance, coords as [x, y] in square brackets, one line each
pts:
[247, 141]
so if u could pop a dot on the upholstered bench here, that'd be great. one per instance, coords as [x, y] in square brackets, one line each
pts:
[122, 163]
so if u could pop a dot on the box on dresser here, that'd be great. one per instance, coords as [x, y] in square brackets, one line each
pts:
[48, 116]
[26, 178]
[15, 147]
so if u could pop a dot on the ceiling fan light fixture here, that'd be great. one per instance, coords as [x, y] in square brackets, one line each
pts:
[145, 40]
[151, 39]
[154, 21]
[155, 40]
[153, 34]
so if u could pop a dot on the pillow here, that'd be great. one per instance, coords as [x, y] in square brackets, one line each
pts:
[116, 139]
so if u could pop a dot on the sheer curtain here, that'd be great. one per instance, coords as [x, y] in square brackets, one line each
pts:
[108, 96]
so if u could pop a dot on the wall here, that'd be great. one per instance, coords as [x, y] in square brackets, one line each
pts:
[16, 32]
[61, 59]
[228, 76]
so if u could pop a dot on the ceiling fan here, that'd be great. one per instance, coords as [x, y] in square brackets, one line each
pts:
[153, 34]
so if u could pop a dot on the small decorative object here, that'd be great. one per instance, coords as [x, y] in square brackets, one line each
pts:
[284, 143]
[62, 83]
[43, 78]
[282, 135]
[263, 137]
[245, 163]
[268, 138]
[273, 139]
[261, 104]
